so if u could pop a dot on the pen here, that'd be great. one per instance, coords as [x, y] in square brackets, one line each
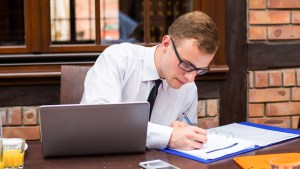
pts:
[234, 144]
[187, 119]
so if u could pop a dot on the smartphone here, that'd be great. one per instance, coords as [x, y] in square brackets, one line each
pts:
[157, 164]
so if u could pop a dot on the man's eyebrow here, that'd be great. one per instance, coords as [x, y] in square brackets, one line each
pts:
[188, 62]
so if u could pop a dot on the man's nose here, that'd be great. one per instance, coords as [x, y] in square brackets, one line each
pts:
[190, 76]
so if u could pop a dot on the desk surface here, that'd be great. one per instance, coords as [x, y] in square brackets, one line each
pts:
[34, 158]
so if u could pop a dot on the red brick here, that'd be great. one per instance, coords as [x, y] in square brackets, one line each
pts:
[289, 77]
[269, 95]
[296, 94]
[14, 116]
[201, 108]
[258, 33]
[257, 4]
[284, 122]
[208, 122]
[284, 108]
[284, 4]
[283, 32]
[3, 115]
[27, 133]
[269, 17]
[295, 16]
[29, 116]
[261, 79]
[295, 121]
[298, 77]
[212, 107]
[251, 79]
[256, 110]
[275, 78]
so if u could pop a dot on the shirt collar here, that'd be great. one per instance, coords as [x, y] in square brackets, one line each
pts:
[149, 69]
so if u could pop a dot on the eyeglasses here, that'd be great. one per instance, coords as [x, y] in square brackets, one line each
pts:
[188, 66]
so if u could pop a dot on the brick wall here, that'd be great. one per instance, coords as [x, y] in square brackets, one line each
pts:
[20, 122]
[274, 95]
[208, 113]
[273, 20]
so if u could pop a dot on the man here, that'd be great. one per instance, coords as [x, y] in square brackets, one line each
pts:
[127, 73]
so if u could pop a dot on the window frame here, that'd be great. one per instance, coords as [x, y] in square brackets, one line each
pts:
[38, 36]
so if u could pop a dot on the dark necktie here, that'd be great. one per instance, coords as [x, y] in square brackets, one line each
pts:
[153, 94]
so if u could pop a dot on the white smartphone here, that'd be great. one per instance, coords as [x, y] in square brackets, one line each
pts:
[157, 164]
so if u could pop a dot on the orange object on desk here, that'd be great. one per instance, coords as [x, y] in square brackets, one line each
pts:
[262, 161]
[13, 158]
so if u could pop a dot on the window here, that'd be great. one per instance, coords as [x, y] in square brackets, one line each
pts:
[74, 21]
[12, 30]
[38, 27]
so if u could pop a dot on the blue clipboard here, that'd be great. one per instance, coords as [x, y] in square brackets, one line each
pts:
[239, 152]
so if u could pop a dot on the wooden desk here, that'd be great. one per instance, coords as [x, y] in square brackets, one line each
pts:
[34, 159]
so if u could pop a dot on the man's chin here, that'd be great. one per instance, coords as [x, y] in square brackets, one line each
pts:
[176, 85]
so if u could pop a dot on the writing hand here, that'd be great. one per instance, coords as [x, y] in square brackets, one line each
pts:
[187, 138]
[176, 124]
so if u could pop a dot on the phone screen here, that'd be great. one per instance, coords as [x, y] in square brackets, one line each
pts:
[157, 164]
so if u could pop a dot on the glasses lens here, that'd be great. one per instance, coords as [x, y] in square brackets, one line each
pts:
[201, 71]
[187, 67]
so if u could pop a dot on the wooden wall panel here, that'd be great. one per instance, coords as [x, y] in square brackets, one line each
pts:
[29, 95]
[262, 56]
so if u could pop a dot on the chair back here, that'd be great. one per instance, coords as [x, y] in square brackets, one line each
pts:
[72, 83]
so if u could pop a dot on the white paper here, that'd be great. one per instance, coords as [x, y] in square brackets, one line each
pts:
[218, 146]
[259, 136]
[229, 139]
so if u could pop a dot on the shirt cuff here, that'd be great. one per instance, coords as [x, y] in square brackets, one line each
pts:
[158, 136]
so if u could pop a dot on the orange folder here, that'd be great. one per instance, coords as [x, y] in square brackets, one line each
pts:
[263, 161]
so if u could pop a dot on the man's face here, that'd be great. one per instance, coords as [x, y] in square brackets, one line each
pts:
[188, 52]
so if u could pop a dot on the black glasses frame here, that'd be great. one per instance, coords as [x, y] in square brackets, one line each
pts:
[188, 66]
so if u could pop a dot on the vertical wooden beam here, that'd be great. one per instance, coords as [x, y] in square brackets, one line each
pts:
[27, 17]
[146, 21]
[233, 98]
[97, 22]
[45, 26]
[72, 21]
[36, 26]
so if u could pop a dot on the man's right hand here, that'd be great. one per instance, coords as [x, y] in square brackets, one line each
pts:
[187, 138]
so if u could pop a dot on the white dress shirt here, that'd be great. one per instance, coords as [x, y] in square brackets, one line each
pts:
[126, 73]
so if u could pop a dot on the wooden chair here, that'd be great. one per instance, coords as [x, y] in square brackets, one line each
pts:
[72, 80]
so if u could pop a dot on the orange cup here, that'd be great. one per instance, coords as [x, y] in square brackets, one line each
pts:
[285, 163]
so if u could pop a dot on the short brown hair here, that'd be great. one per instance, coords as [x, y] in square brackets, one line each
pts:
[199, 26]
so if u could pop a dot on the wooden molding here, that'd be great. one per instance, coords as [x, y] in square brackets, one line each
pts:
[48, 59]
[217, 72]
[262, 56]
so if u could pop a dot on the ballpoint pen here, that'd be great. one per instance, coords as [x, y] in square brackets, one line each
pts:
[187, 119]
[232, 145]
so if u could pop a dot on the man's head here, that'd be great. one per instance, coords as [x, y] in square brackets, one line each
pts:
[187, 50]
[196, 25]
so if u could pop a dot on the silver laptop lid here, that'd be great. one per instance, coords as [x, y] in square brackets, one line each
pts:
[77, 130]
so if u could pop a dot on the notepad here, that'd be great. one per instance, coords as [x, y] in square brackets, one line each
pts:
[236, 138]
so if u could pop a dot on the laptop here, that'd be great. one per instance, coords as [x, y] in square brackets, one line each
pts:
[99, 129]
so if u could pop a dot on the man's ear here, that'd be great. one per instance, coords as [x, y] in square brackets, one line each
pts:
[166, 41]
